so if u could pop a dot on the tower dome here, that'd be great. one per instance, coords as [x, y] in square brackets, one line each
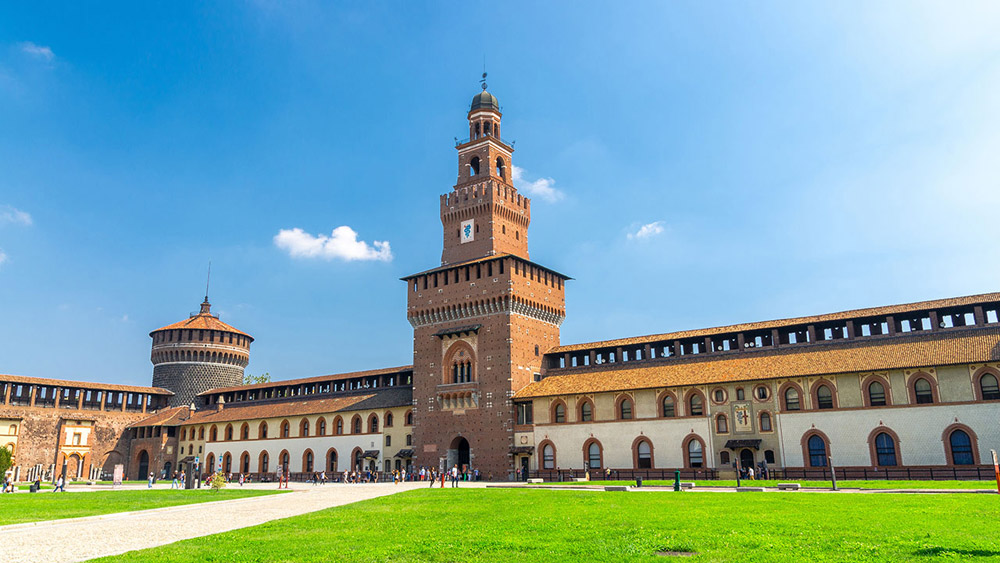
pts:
[485, 100]
[198, 354]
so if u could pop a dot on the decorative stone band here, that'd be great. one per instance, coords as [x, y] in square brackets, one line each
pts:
[481, 309]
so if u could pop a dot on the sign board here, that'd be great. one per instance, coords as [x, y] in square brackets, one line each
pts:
[119, 474]
[742, 420]
[468, 230]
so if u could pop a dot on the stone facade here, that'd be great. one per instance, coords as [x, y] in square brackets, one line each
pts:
[188, 379]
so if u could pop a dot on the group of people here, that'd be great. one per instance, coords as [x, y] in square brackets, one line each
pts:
[761, 472]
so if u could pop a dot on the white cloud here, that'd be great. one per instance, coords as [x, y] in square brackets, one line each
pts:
[342, 244]
[38, 51]
[541, 188]
[3, 257]
[10, 214]
[646, 231]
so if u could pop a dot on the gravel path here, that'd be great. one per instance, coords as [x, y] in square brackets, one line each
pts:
[80, 539]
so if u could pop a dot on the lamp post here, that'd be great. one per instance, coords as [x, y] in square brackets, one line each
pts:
[833, 473]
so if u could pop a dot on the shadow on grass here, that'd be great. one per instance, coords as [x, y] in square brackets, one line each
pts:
[945, 551]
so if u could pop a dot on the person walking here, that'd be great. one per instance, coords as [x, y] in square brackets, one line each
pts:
[241, 479]
[173, 484]
[454, 476]
[151, 478]
[60, 485]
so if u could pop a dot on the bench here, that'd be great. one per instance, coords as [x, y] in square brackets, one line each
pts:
[789, 486]
[687, 485]
[749, 489]
[536, 480]
[618, 488]
[580, 479]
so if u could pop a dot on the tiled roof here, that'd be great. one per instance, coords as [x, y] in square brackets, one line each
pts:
[485, 259]
[763, 325]
[83, 384]
[204, 320]
[166, 417]
[315, 379]
[299, 406]
[921, 350]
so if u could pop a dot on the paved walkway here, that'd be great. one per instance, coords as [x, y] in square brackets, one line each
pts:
[80, 539]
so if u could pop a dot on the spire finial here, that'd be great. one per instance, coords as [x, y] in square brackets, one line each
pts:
[483, 81]
[208, 280]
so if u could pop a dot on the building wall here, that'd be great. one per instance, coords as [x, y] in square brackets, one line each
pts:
[187, 379]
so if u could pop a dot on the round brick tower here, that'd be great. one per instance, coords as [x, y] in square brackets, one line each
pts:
[198, 354]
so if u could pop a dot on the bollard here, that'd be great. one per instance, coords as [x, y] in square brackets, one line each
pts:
[638, 481]
[677, 481]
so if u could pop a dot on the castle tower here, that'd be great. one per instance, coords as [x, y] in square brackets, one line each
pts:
[198, 354]
[484, 215]
[484, 318]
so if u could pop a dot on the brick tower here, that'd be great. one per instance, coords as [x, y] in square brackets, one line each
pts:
[198, 354]
[482, 320]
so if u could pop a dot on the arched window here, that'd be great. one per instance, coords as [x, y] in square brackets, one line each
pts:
[214, 434]
[338, 426]
[373, 424]
[922, 391]
[724, 458]
[331, 463]
[722, 424]
[667, 408]
[201, 433]
[696, 406]
[474, 164]
[559, 412]
[586, 412]
[817, 451]
[388, 420]
[594, 455]
[501, 169]
[227, 463]
[210, 463]
[245, 432]
[762, 392]
[304, 427]
[989, 387]
[307, 461]
[408, 420]
[876, 394]
[961, 448]
[625, 409]
[356, 424]
[262, 430]
[885, 450]
[719, 396]
[824, 397]
[695, 453]
[286, 429]
[184, 432]
[263, 462]
[321, 427]
[229, 432]
[286, 462]
[643, 455]
[792, 399]
[765, 422]
[548, 457]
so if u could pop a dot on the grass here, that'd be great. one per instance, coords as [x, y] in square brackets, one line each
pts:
[987, 485]
[487, 525]
[16, 509]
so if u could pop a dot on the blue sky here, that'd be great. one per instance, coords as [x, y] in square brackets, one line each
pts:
[692, 164]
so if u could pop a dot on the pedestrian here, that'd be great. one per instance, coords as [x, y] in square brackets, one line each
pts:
[454, 476]
[151, 479]
[750, 473]
[241, 479]
[60, 485]
[173, 484]
[322, 478]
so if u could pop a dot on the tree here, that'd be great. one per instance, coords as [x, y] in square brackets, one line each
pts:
[250, 379]
[217, 480]
[6, 461]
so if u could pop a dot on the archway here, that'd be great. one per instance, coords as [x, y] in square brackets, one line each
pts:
[459, 453]
[143, 473]
[167, 467]
[72, 467]
[746, 458]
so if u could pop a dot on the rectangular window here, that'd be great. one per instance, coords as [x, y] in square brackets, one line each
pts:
[525, 413]
[388, 440]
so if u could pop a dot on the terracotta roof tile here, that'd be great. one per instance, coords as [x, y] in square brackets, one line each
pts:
[299, 406]
[315, 379]
[83, 384]
[202, 321]
[844, 315]
[923, 350]
[166, 417]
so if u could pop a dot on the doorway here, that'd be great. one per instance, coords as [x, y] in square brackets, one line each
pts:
[143, 466]
[524, 468]
[459, 454]
[746, 458]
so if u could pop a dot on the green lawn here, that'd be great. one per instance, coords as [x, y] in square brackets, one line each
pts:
[47, 505]
[487, 525]
[987, 485]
